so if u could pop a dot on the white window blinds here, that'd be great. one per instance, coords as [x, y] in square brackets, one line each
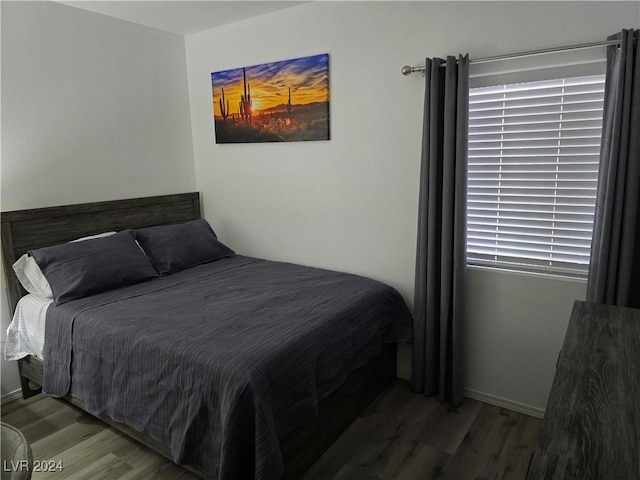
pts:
[533, 170]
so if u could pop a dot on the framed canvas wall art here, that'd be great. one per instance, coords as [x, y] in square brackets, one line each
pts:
[285, 101]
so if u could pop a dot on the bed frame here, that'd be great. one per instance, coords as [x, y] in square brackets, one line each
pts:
[24, 230]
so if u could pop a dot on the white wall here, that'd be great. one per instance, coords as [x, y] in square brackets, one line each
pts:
[514, 329]
[93, 108]
[350, 203]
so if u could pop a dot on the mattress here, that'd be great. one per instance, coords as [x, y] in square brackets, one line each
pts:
[25, 334]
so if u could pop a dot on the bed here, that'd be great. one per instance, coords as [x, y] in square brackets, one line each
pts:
[266, 393]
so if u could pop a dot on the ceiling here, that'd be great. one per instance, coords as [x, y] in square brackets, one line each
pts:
[183, 17]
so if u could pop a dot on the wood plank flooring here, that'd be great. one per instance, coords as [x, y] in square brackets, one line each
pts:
[402, 436]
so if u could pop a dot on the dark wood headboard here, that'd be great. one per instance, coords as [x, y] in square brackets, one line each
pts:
[24, 230]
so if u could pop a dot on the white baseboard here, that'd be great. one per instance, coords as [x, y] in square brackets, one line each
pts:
[405, 374]
[11, 396]
[504, 403]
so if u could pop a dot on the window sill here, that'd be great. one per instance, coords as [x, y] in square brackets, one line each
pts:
[508, 271]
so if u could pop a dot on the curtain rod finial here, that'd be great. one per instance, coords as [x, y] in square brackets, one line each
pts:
[407, 70]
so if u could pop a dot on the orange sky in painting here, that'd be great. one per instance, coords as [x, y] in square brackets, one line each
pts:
[269, 84]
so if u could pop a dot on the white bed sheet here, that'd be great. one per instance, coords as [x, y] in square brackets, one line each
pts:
[25, 335]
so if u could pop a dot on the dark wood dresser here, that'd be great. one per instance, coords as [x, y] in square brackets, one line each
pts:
[591, 426]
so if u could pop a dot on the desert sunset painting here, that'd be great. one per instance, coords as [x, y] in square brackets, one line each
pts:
[283, 101]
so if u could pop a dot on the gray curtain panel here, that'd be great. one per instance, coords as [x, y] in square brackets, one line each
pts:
[442, 232]
[614, 273]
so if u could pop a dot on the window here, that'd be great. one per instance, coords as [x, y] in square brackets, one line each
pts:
[533, 170]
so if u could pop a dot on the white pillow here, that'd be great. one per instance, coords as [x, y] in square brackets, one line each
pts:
[99, 235]
[30, 275]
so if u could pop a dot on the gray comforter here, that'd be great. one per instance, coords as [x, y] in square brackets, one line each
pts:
[219, 362]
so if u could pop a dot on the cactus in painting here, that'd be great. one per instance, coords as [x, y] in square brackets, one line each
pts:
[245, 106]
[289, 103]
[224, 108]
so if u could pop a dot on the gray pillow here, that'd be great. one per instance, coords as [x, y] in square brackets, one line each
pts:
[79, 269]
[172, 248]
